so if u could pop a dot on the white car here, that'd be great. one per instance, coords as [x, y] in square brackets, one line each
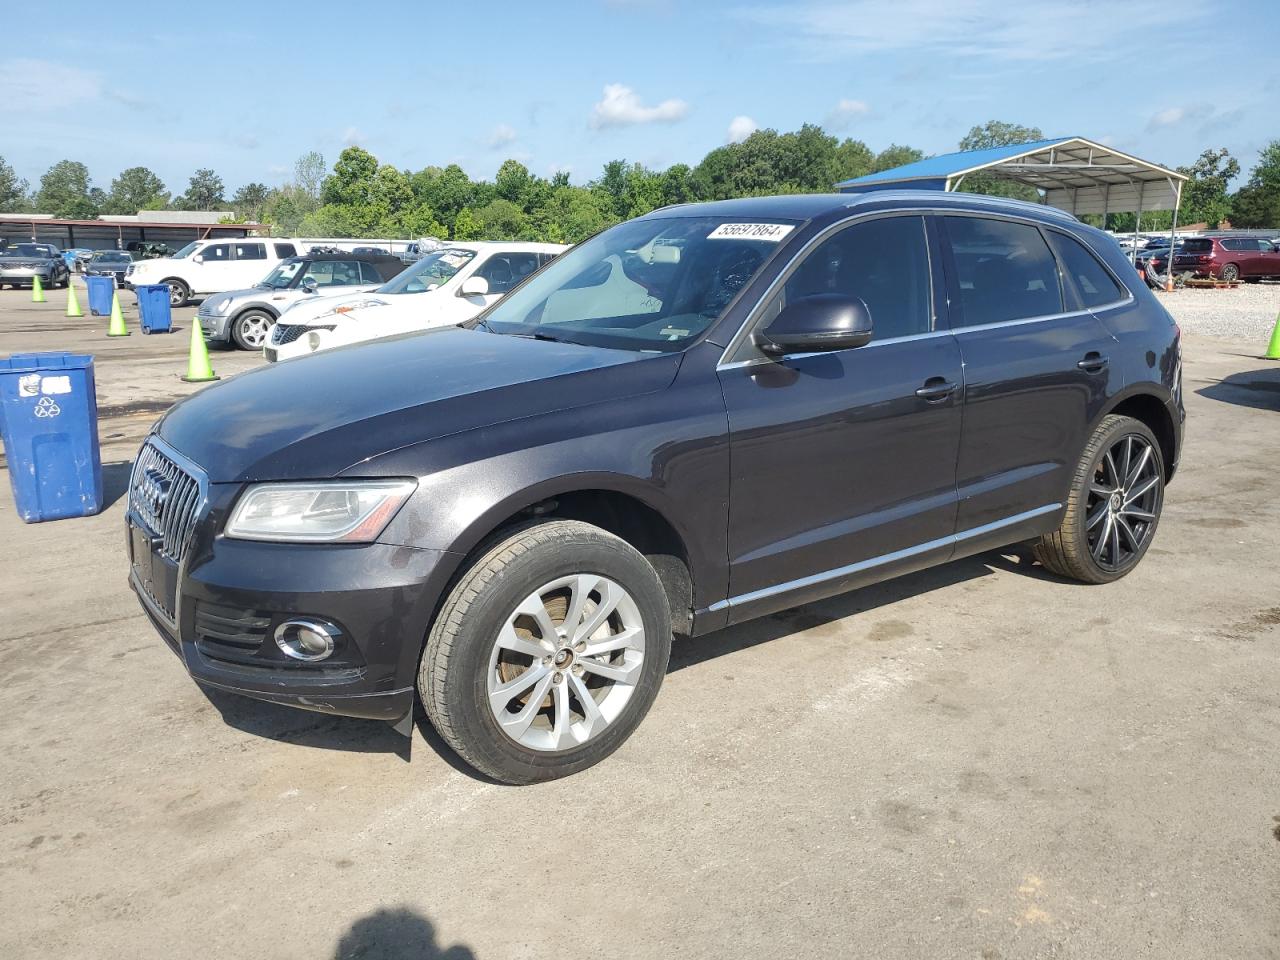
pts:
[211, 266]
[444, 288]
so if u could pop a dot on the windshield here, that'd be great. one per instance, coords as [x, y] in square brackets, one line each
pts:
[187, 250]
[283, 275]
[28, 250]
[433, 270]
[644, 285]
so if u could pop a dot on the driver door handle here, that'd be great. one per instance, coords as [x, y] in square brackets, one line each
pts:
[1093, 362]
[936, 389]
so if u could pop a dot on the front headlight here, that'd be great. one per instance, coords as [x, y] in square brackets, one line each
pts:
[337, 511]
[224, 306]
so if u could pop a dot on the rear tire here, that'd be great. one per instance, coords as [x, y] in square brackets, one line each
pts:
[509, 677]
[179, 292]
[1230, 272]
[1113, 508]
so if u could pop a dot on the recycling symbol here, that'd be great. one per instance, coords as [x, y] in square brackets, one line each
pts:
[47, 408]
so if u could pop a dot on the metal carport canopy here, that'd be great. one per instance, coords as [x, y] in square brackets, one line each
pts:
[1073, 174]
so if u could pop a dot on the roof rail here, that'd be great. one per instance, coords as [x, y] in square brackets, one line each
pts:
[935, 196]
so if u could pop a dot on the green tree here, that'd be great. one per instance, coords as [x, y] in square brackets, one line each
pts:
[204, 191]
[513, 182]
[1257, 203]
[64, 192]
[1204, 196]
[467, 226]
[250, 200]
[853, 158]
[13, 190]
[353, 181]
[501, 220]
[136, 188]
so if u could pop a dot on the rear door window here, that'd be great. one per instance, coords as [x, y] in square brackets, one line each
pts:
[250, 251]
[1005, 271]
[1088, 282]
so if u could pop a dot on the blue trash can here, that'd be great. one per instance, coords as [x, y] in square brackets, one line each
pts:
[153, 306]
[50, 432]
[101, 290]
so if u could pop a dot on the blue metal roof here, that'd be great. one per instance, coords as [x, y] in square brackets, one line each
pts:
[950, 164]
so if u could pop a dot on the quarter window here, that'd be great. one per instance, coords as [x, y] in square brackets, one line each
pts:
[885, 262]
[284, 250]
[1088, 281]
[1005, 271]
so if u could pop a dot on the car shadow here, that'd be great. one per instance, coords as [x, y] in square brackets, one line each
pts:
[1259, 389]
[115, 481]
[396, 933]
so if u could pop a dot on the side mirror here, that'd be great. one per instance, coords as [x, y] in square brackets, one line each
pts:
[198, 258]
[308, 285]
[824, 321]
[474, 287]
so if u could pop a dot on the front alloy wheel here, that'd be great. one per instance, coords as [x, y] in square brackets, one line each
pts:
[547, 653]
[566, 662]
[251, 329]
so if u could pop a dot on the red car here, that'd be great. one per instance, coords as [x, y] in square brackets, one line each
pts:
[1227, 258]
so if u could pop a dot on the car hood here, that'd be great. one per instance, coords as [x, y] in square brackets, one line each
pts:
[316, 416]
[319, 309]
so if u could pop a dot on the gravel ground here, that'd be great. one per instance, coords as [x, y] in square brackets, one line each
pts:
[1247, 312]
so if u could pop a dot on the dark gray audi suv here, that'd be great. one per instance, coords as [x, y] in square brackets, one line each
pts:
[697, 417]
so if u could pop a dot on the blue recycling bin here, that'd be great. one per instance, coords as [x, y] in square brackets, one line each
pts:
[101, 289]
[153, 307]
[50, 432]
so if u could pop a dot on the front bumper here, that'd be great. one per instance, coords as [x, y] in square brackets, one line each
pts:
[216, 328]
[24, 274]
[218, 609]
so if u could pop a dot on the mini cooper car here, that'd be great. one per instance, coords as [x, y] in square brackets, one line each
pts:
[708, 414]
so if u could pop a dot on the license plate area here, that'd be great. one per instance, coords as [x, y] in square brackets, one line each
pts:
[156, 575]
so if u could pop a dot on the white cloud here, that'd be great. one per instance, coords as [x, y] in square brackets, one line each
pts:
[740, 128]
[844, 111]
[1167, 118]
[30, 83]
[621, 107]
[352, 136]
[502, 135]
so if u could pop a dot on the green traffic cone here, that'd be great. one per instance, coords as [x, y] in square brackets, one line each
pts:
[37, 289]
[198, 368]
[116, 328]
[73, 304]
[1273, 349]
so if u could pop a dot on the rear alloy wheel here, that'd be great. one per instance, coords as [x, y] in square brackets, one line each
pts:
[1230, 272]
[1113, 508]
[548, 652]
[251, 329]
[179, 293]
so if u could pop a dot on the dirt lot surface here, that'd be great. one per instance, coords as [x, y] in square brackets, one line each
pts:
[976, 761]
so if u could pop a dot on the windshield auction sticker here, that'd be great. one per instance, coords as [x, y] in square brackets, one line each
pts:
[773, 232]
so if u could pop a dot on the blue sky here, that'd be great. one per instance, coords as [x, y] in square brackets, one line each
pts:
[245, 88]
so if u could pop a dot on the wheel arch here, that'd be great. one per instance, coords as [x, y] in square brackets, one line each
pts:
[260, 307]
[1148, 408]
[606, 502]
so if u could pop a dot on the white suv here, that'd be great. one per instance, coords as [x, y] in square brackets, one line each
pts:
[211, 266]
[445, 287]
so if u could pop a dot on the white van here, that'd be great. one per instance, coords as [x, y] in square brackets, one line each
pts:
[203, 267]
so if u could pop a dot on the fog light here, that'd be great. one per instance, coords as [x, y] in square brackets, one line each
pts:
[306, 639]
[313, 341]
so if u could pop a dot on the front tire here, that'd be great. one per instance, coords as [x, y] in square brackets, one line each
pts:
[547, 653]
[1113, 508]
[250, 329]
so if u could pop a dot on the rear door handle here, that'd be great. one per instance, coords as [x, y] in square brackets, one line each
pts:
[1093, 363]
[936, 389]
